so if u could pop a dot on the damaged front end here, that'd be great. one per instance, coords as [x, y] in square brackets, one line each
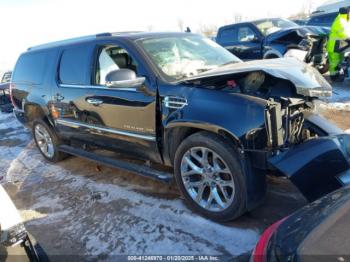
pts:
[316, 164]
[294, 142]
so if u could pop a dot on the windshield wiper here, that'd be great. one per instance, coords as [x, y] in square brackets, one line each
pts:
[229, 63]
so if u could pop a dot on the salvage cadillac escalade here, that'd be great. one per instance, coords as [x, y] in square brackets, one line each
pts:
[178, 103]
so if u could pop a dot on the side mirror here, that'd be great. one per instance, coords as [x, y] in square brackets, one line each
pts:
[123, 78]
[255, 39]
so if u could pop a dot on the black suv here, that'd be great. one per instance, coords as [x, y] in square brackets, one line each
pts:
[179, 103]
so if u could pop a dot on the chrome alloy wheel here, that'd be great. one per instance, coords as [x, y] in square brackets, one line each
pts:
[207, 179]
[44, 141]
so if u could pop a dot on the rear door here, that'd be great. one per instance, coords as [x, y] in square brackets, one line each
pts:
[69, 107]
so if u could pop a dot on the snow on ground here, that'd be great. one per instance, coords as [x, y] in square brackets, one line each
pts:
[72, 210]
[340, 99]
[12, 139]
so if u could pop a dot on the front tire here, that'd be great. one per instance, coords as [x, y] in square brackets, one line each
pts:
[47, 141]
[210, 176]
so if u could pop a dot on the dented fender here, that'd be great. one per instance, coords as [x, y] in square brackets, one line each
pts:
[317, 166]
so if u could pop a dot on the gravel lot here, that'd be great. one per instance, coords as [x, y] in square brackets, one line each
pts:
[77, 208]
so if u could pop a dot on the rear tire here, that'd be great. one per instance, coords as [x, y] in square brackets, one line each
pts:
[210, 176]
[47, 141]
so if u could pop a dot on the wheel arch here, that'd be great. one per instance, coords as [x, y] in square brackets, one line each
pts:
[272, 54]
[177, 132]
[36, 112]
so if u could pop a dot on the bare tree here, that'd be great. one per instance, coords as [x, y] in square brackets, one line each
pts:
[180, 24]
[207, 30]
[303, 13]
[237, 17]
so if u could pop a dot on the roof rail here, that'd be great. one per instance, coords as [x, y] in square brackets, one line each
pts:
[103, 35]
[61, 42]
[76, 39]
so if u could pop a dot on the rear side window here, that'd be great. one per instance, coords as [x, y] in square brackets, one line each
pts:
[31, 68]
[227, 35]
[74, 66]
[323, 20]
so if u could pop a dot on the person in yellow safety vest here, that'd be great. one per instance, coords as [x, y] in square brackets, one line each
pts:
[340, 32]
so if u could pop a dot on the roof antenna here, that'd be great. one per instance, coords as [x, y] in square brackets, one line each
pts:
[188, 30]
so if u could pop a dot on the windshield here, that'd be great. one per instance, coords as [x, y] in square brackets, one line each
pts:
[269, 26]
[179, 57]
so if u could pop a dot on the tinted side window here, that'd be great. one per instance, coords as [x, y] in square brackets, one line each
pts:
[227, 35]
[74, 66]
[323, 20]
[31, 68]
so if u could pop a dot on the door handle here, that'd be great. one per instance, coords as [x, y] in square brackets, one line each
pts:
[94, 101]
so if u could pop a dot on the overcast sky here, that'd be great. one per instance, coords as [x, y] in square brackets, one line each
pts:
[24, 23]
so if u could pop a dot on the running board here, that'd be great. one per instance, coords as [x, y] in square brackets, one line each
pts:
[120, 164]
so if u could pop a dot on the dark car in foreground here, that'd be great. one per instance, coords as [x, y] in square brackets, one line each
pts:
[15, 242]
[318, 232]
[181, 104]
[265, 38]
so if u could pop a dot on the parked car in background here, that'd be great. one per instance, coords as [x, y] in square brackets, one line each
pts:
[322, 19]
[5, 99]
[185, 108]
[265, 38]
[318, 232]
[6, 78]
[326, 13]
[300, 21]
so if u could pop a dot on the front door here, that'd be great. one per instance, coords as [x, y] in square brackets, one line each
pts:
[121, 119]
[127, 115]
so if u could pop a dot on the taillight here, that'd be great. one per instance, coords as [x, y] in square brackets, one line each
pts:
[259, 253]
[12, 86]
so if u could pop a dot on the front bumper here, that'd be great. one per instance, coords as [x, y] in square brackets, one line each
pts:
[318, 166]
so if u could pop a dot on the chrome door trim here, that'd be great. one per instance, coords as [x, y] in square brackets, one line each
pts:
[131, 89]
[76, 124]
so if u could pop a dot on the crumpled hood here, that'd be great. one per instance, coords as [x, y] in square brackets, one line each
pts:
[307, 80]
[301, 31]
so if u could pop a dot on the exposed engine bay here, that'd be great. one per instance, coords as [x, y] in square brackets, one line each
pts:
[284, 114]
[256, 83]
